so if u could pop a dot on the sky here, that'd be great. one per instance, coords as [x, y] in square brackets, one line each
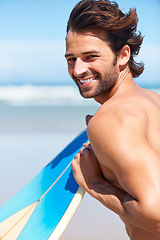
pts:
[32, 40]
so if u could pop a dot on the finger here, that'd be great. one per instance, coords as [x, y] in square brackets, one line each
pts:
[84, 152]
[76, 156]
[81, 150]
[88, 118]
[88, 146]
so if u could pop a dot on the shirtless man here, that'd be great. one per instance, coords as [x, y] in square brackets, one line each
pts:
[120, 167]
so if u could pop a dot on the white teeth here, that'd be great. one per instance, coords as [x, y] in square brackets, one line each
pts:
[86, 80]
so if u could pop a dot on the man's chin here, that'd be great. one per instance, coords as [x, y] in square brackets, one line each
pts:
[87, 92]
[86, 95]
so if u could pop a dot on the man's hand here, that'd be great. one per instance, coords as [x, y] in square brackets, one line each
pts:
[86, 169]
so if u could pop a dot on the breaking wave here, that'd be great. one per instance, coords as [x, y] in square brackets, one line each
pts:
[27, 95]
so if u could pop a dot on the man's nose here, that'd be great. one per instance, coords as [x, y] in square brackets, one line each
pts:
[80, 67]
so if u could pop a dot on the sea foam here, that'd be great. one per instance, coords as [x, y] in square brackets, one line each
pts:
[42, 95]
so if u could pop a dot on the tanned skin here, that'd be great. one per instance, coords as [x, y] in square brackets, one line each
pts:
[120, 166]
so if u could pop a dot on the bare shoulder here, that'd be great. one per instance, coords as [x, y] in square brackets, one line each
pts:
[152, 93]
[115, 131]
[116, 118]
[118, 137]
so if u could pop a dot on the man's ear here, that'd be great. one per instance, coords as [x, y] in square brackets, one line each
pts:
[124, 55]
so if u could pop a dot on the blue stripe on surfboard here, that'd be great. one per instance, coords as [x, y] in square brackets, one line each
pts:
[50, 209]
[37, 187]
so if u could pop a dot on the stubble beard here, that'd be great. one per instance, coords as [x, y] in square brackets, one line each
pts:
[104, 85]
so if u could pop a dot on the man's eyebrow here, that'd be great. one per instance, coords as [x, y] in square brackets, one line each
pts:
[83, 53]
[68, 55]
[90, 52]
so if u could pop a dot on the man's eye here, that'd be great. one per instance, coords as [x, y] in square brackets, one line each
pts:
[92, 57]
[71, 59]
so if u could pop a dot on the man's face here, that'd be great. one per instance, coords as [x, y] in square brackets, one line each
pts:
[91, 63]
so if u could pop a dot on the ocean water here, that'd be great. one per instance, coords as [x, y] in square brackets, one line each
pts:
[36, 123]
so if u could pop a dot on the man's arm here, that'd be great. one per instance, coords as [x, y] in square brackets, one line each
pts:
[88, 174]
[120, 144]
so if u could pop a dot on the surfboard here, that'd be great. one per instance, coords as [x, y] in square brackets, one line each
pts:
[46, 205]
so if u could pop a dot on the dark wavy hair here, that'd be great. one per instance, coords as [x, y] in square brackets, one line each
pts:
[121, 28]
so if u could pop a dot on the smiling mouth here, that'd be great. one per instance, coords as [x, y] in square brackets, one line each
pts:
[87, 80]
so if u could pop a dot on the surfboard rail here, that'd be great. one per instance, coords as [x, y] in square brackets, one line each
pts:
[67, 217]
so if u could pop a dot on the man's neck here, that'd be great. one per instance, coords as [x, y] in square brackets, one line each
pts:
[122, 76]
